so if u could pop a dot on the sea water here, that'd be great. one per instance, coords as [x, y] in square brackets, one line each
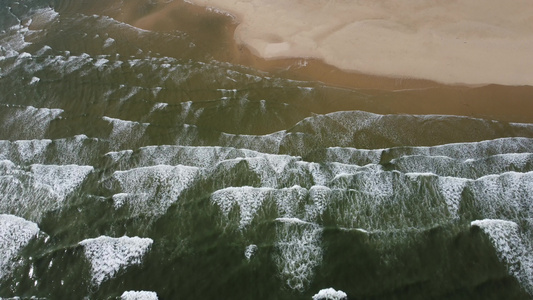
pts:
[141, 164]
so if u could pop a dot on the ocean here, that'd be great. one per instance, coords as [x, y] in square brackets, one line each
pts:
[143, 157]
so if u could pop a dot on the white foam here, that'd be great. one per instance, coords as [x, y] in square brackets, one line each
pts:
[79, 149]
[320, 197]
[62, 180]
[324, 173]
[29, 122]
[133, 90]
[152, 190]
[100, 62]
[268, 143]
[416, 200]
[288, 201]
[390, 191]
[15, 41]
[7, 167]
[292, 221]
[353, 155]
[294, 204]
[15, 234]
[34, 80]
[343, 129]
[505, 196]
[24, 55]
[279, 162]
[30, 150]
[120, 199]
[451, 189]
[513, 249]
[469, 168]
[64, 64]
[133, 62]
[270, 167]
[250, 251]
[31, 194]
[330, 294]
[109, 42]
[5, 148]
[138, 295]
[19, 298]
[228, 93]
[115, 156]
[74, 63]
[519, 160]
[316, 170]
[159, 106]
[474, 150]
[109, 255]
[43, 50]
[43, 16]
[248, 199]
[202, 157]
[299, 253]
[125, 131]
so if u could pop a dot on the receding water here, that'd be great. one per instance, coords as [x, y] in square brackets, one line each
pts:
[150, 160]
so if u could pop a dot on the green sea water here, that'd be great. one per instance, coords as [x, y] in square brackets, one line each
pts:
[132, 160]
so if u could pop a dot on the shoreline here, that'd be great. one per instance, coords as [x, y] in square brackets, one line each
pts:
[397, 95]
[180, 15]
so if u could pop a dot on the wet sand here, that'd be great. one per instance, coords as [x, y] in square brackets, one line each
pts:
[401, 94]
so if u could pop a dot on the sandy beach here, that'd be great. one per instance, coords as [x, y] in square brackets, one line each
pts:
[452, 42]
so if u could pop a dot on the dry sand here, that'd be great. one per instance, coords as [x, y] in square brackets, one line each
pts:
[470, 42]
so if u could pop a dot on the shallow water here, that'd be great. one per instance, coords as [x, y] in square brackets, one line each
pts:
[135, 159]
